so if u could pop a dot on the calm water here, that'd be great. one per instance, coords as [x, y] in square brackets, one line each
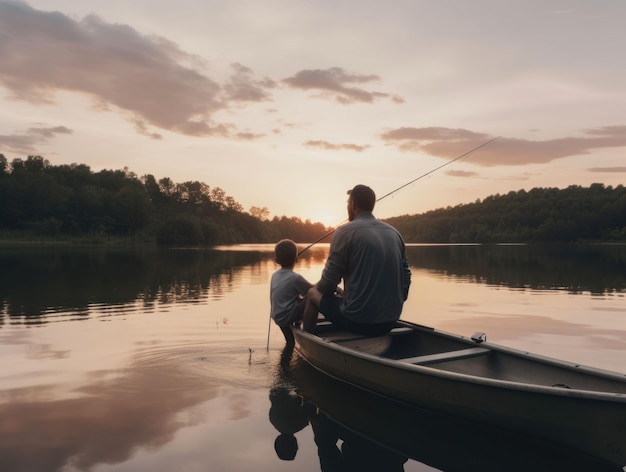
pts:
[126, 360]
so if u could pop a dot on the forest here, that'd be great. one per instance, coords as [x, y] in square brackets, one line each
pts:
[541, 215]
[41, 201]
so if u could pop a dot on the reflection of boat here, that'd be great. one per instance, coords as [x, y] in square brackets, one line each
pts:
[575, 406]
[445, 442]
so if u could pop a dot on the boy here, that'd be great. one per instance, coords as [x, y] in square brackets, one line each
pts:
[287, 289]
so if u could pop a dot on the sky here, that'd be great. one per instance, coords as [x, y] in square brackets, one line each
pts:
[286, 104]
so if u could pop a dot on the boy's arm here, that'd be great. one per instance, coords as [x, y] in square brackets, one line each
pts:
[303, 285]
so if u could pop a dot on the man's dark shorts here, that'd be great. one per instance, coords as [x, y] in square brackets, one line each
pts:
[329, 307]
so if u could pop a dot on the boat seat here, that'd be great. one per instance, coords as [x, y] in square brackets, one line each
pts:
[445, 356]
[344, 336]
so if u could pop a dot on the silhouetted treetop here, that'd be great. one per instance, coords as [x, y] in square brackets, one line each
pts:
[594, 213]
[44, 200]
[41, 199]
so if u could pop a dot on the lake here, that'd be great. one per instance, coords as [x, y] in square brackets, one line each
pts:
[156, 360]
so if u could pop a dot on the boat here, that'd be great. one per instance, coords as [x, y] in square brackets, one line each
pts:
[576, 406]
[379, 433]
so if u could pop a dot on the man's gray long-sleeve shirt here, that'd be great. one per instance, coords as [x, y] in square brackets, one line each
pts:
[370, 257]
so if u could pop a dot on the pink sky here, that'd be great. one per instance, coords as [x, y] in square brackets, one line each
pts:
[285, 105]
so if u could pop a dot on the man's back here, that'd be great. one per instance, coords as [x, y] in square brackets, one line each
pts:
[370, 257]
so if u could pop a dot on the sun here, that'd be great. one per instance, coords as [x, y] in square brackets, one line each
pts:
[329, 220]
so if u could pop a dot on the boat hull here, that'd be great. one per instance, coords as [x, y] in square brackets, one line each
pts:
[442, 441]
[591, 422]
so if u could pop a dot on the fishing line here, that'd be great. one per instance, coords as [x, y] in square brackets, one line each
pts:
[406, 185]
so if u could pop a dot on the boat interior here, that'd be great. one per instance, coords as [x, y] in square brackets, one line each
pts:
[424, 346]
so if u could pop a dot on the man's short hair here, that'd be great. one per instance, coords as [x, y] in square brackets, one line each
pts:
[286, 252]
[363, 197]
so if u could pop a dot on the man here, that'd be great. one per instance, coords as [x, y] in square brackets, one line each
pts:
[370, 257]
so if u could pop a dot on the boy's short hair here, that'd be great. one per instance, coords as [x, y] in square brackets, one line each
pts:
[286, 446]
[286, 252]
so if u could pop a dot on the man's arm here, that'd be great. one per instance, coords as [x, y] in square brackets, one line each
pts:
[335, 267]
[406, 276]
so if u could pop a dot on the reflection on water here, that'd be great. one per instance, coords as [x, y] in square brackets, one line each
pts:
[339, 448]
[37, 283]
[287, 413]
[114, 413]
[104, 422]
[592, 268]
[168, 366]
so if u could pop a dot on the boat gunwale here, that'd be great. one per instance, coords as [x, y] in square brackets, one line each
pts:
[486, 381]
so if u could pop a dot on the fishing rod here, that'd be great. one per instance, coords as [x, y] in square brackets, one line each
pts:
[385, 196]
[406, 185]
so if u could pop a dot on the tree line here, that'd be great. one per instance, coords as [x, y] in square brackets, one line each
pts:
[41, 200]
[546, 215]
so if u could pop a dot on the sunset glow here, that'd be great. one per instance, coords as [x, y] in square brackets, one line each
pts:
[287, 105]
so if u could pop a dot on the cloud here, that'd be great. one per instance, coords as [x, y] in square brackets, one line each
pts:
[247, 136]
[335, 147]
[451, 143]
[31, 138]
[333, 84]
[142, 128]
[150, 79]
[243, 87]
[461, 173]
[616, 170]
